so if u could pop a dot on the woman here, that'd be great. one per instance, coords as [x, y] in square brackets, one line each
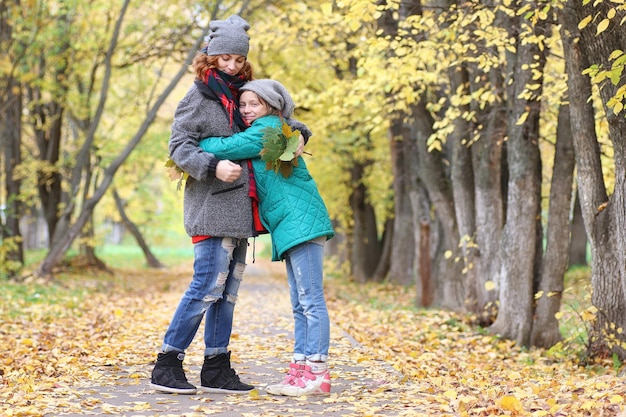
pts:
[218, 214]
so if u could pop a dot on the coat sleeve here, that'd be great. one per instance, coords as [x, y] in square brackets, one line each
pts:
[183, 144]
[243, 145]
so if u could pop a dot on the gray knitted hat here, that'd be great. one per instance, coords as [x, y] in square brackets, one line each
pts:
[229, 37]
[273, 93]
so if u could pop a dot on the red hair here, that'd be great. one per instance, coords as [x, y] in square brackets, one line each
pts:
[203, 62]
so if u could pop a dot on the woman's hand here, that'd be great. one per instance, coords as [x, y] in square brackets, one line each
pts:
[227, 171]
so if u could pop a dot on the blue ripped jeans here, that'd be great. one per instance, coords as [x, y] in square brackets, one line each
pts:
[305, 273]
[218, 269]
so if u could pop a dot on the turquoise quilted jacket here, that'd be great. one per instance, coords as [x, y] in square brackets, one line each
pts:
[292, 209]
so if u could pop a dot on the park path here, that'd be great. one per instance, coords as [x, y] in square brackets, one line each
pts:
[261, 345]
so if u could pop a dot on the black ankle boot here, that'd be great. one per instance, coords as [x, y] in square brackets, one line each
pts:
[168, 374]
[218, 376]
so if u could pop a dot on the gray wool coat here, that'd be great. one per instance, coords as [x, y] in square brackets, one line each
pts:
[211, 207]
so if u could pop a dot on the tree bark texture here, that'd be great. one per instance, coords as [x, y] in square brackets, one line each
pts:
[402, 261]
[463, 191]
[449, 287]
[403, 162]
[424, 265]
[366, 249]
[578, 236]
[520, 234]
[10, 141]
[604, 215]
[545, 331]
[487, 155]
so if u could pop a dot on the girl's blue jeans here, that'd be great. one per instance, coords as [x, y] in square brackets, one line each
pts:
[304, 264]
[218, 270]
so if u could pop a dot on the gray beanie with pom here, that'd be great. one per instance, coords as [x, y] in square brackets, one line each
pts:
[229, 37]
[273, 93]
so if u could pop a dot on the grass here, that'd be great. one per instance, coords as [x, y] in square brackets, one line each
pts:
[576, 299]
[131, 256]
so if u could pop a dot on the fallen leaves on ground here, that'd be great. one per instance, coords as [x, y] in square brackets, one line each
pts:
[57, 345]
[467, 371]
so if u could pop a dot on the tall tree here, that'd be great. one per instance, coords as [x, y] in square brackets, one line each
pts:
[404, 241]
[521, 236]
[12, 255]
[594, 40]
[545, 331]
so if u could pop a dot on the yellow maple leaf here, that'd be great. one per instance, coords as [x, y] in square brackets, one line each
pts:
[511, 403]
[450, 394]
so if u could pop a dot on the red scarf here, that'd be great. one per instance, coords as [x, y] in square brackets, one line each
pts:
[225, 89]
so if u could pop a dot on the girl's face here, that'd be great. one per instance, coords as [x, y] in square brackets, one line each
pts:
[252, 107]
[230, 64]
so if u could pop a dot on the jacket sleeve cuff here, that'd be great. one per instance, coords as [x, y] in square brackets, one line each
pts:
[212, 166]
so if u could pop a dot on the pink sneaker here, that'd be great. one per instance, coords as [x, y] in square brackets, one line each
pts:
[308, 383]
[292, 375]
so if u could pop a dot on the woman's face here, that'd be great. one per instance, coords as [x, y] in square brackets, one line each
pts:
[230, 64]
[252, 107]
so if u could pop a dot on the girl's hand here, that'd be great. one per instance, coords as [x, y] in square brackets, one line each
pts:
[300, 147]
[227, 171]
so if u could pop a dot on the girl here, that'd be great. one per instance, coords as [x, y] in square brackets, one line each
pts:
[294, 213]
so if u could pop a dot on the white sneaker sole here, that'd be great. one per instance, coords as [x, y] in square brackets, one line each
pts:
[223, 391]
[170, 390]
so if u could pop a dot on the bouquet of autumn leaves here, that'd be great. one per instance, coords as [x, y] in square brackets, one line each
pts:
[278, 153]
[279, 149]
[176, 173]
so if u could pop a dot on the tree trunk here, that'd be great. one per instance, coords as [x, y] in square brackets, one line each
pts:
[520, 236]
[545, 331]
[604, 216]
[402, 266]
[152, 260]
[88, 251]
[578, 236]
[449, 288]
[366, 249]
[425, 264]
[384, 263]
[10, 141]
[487, 155]
[463, 189]
[46, 119]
